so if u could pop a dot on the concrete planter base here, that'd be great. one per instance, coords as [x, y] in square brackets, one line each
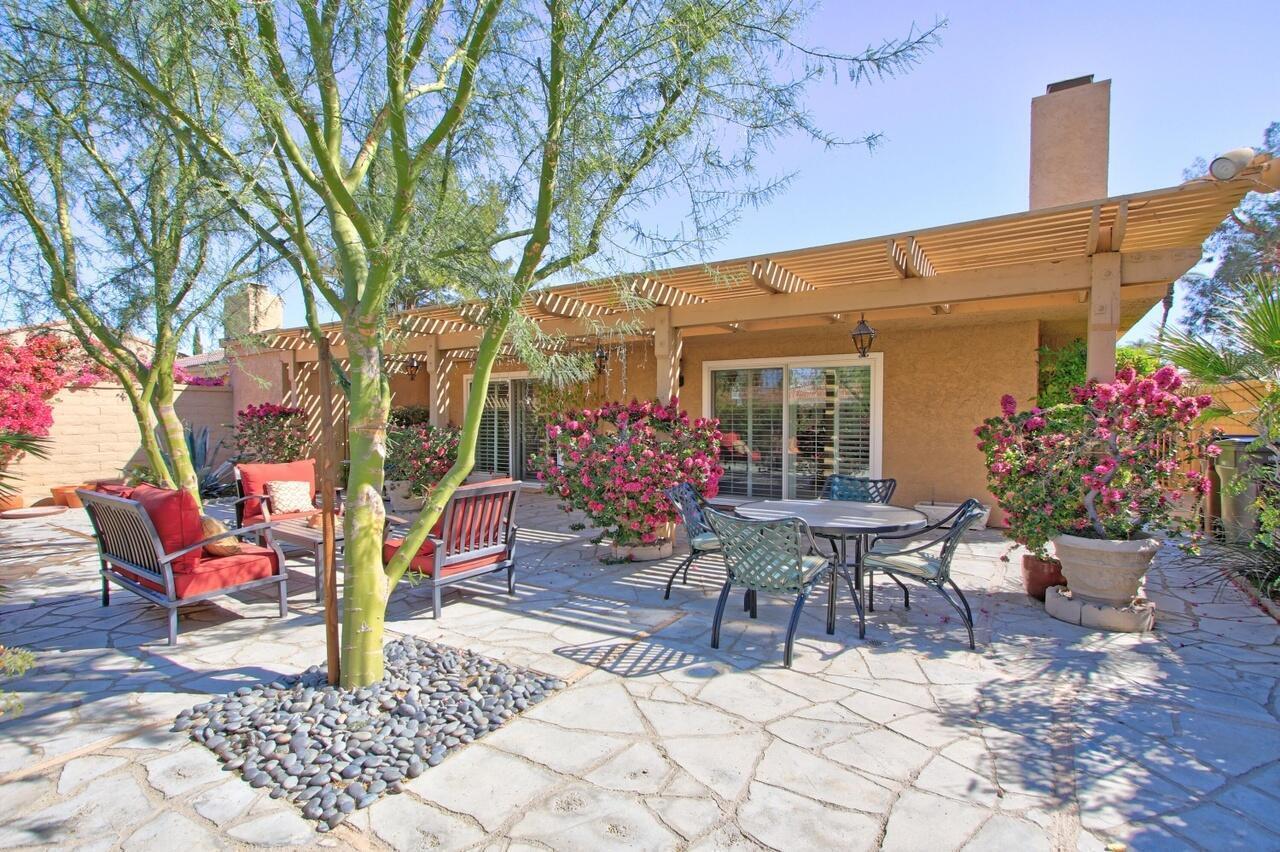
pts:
[398, 495]
[640, 552]
[1105, 580]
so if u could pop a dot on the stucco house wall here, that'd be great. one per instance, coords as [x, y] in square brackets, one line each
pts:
[94, 435]
[938, 385]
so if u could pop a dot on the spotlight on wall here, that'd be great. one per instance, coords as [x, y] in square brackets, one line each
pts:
[863, 336]
[412, 367]
[1228, 165]
[602, 358]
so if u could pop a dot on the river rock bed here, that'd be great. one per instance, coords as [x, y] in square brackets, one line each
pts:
[331, 750]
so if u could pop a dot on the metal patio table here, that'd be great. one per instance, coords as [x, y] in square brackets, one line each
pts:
[839, 521]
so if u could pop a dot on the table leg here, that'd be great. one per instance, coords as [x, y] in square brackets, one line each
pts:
[831, 601]
[856, 587]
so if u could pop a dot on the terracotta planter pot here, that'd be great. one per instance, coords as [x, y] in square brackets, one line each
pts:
[65, 495]
[1039, 574]
[13, 502]
[398, 494]
[1102, 571]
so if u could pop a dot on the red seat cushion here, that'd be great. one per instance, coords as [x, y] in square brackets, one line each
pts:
[254, 479]
[176, 519]
[424, 562]
[253, 562]
[114, 489]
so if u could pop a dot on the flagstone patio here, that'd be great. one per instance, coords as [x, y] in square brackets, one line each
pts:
[1048, 737]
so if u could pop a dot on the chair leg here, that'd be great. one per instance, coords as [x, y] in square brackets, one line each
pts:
[831, 601]
[435, 602]
[962, 599]
[666, 596]
[871, 590]
[906, 593]
[964, 616]
[749, 603]
[715, 624]
[511, 579]
[106, 591]
[173, 626]
[284, 597]
[795, 622]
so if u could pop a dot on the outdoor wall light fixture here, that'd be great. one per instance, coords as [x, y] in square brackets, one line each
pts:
[602, 358]
[412, 367]
[863, 336]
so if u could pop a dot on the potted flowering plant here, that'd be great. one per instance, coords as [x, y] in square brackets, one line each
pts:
[1097, 478]
[418, 456]
[614, 463]
[271, 433]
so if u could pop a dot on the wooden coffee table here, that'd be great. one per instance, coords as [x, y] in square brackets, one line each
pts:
[296, 532]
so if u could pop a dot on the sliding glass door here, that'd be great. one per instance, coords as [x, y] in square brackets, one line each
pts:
[788, 426]
[510, 430]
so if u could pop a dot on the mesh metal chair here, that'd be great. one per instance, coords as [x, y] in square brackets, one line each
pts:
[768, 556]
[702, 539]
[841, 486]
[919, 563]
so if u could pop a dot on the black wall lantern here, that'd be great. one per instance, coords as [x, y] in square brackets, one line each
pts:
[602, 358]
[863, 336]
[412, 367]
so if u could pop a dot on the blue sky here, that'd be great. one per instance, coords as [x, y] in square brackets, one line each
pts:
[1188, 80]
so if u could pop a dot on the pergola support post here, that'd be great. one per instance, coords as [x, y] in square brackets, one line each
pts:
[667, 346]
[437, 381]
[1104, 315]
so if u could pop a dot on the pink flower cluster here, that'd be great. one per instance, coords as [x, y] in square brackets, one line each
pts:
[615, 462]
[185, 377]
[32, 373]
[270, 433]
[1119, 462]
[421, 455]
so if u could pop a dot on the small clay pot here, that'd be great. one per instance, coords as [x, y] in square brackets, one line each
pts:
[1039, 574]
[65, 495]
[14, 501]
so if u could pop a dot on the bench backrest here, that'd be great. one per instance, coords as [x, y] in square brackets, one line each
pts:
[479, 520]
[126, 536]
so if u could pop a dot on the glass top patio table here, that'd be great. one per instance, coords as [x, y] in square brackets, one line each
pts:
[839, 521]
[838, 518]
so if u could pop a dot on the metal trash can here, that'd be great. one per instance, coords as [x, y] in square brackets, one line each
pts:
[1239, 516]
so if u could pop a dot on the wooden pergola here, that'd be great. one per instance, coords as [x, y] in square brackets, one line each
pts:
[1087, 259]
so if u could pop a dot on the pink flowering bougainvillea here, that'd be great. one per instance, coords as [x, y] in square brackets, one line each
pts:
[614, 462]
[421, 454]
[1121, 462]
[271, 433]
[185, 377]
[31, 374]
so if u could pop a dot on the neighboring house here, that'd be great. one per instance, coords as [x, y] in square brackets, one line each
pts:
[763, 342]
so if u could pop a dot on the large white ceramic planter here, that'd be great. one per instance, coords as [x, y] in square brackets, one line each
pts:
[1105, 581]
[641, 552]
[401, 501]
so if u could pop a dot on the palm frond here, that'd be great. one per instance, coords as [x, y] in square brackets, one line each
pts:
[12, 445]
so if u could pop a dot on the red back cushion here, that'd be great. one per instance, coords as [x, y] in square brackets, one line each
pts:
[254, 479]
[177, 521]
[114, 489]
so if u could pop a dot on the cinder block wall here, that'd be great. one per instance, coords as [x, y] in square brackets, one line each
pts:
[94, 435]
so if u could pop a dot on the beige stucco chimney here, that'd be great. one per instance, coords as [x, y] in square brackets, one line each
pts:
[251, 310]
[1070, 133]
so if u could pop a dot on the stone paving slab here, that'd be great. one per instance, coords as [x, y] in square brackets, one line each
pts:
[1048, 737]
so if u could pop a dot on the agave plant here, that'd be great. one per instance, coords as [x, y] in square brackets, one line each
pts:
[1248, 361]
[12, 445]
[213, 479]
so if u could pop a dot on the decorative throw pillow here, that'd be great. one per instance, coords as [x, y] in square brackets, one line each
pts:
[229, 546]
[288, 495]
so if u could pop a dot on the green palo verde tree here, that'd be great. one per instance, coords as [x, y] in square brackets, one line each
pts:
[113, 223]
[580, 115]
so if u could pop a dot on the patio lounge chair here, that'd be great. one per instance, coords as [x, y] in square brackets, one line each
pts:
[767, 556]
[151, 544]
[702, 539]
[476, 535]
[919, 564]
[253, 506]
[841, 486]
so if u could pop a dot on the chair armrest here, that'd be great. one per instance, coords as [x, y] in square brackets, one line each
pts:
[238, 531]
[247, 497]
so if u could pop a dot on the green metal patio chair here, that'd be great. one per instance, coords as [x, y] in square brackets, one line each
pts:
[768, 556]
[919, 564]
[702, 539]
[840, 486]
